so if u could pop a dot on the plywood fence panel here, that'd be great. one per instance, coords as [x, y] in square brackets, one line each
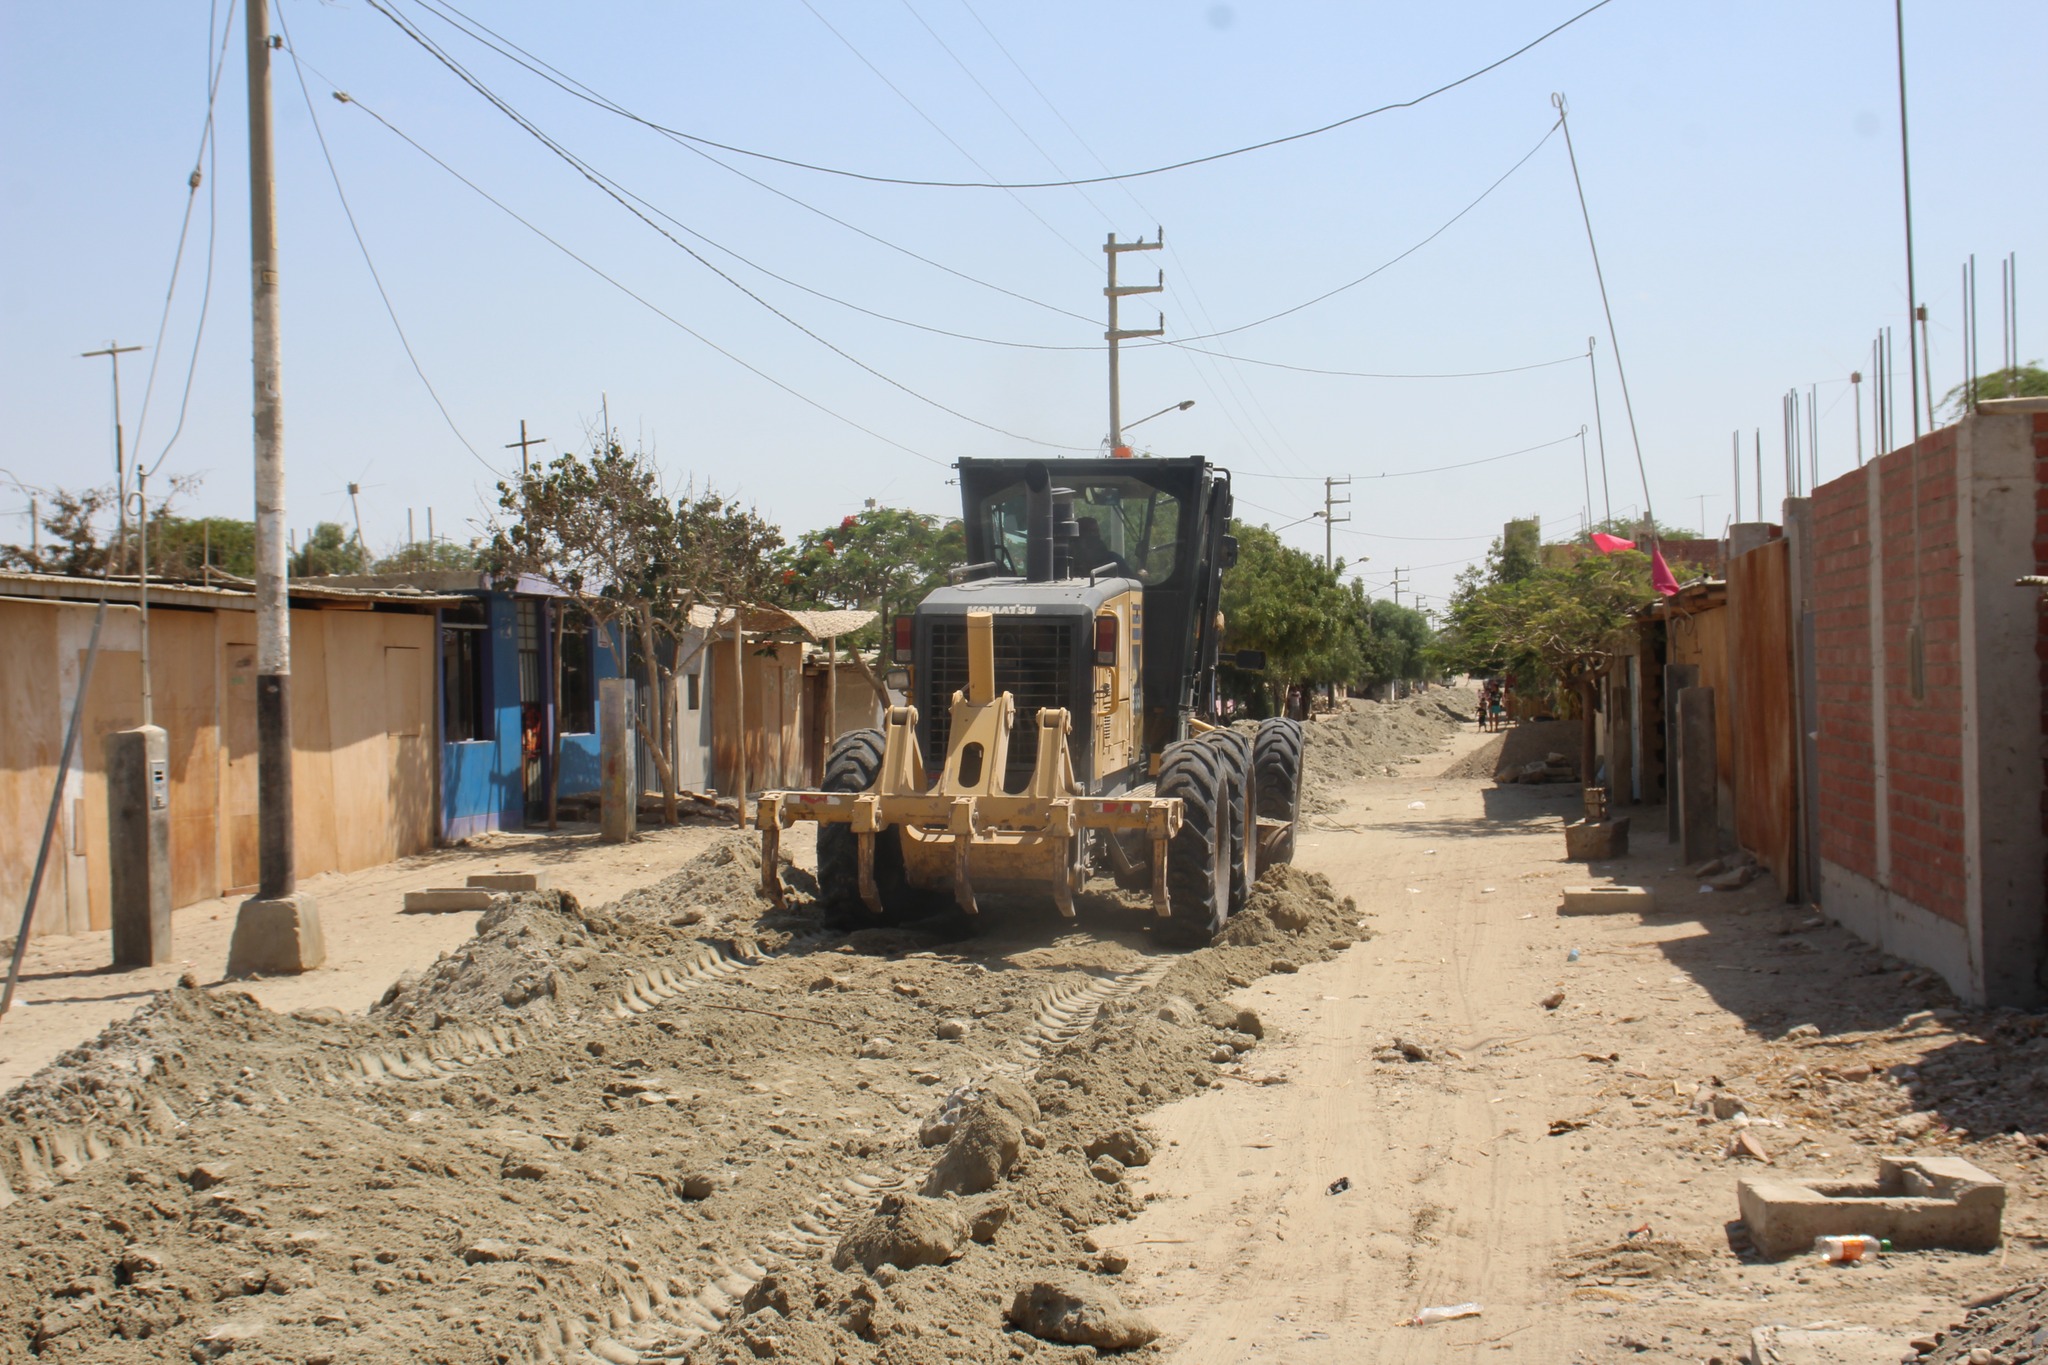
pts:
[1764, 722]
[32, 716]
[184, 702]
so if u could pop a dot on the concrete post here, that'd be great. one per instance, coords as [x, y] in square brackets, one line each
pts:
[618, 792]
[1805, 884]
[1677, 677]
[1699, 779]
[139, 845]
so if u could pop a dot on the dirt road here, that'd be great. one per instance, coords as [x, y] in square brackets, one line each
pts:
[673, 1126]
[1458, 1191]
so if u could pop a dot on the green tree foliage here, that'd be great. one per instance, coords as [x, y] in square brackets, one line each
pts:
[2017, 381]
[1517, 550]
[329, 549]
[1283, 601]
[430, 556]
[1396, 643]
[184, 547]
[884, 558]
[80, 535]
[1553, 629]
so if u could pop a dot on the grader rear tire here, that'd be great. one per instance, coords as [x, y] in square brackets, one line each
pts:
[1235, 749]
[1198, 857]
[853, 764]
[1276, 765]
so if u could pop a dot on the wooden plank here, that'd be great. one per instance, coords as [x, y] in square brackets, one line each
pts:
[114, 702]
[1764, 724]
[359, 749]
[315, 677]
[182, 679]
[238, 856]
[408, 701]
[31, 739]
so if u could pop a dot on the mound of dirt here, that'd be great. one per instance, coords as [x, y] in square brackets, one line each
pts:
[1530, 742]
[2012, 1327]
[1366, 740]
[635, 1131]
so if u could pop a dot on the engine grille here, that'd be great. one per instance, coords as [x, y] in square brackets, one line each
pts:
[1034, 664]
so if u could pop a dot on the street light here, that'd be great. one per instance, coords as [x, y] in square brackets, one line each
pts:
[1123, 452]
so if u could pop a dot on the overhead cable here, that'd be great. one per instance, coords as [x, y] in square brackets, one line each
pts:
[627, 290]
[1104, 179]
[618, 195]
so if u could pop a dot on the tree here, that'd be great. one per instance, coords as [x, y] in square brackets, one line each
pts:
[185, 547]
[633, 562]
[73, 520]
[1395, 645]
[1283, 601]
[329, 549]
[430, 556]
[2015, 381]
[886, 558]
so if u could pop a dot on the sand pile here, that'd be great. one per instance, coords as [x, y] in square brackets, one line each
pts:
[1367, 740]
[612, 1131]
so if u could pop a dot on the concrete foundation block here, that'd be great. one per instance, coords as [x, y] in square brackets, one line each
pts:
[1606, 900]
[277, 938]
[1587, 841]
[1915, 1202]
[441, 900]
[509, 881]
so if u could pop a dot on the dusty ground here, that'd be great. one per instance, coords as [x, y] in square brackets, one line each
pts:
[642, 1129]
[68, 992]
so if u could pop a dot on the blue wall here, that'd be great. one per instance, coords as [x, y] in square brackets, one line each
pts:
[579, 751]
[480, 778]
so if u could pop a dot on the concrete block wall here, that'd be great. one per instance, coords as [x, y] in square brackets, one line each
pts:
[1932, 752]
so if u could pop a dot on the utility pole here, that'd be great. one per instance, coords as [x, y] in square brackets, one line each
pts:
[1330, 518]
[277, 931]
[1856, 385]
[1116, 335]
[361, 549]
[113, 351]
[522, 443]
[1599, 428]
[1397, 586]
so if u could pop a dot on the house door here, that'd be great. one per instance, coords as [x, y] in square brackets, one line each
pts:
[532, 765]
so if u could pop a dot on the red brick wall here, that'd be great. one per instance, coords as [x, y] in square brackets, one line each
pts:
[1920, 574]
[1841, 596]
[1925, 732]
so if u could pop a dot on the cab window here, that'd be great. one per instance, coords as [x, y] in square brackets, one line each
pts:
[1127, 527]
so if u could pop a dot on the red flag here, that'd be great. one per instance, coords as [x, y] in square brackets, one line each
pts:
[1660, 574]
[1607, 544]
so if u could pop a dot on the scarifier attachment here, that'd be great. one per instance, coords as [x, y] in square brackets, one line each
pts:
[967, 831]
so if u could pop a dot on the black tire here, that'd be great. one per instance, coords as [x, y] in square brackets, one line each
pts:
[1197, 858]
[1276, 769]
[1236, 751]
[853, 765]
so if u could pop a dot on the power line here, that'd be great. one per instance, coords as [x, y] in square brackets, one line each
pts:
[1368, 374]
[625, 199]
[488, 37]
[356, 231]
[625, 289]
[1432, 469]
[1099, 179]
[1390, 264]
[207, 153]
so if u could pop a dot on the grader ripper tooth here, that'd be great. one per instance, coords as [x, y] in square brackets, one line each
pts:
[965, 829]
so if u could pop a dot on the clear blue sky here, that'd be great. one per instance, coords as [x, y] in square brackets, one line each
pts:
[1741, 161]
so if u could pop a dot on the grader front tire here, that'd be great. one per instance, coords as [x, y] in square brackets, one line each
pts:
[1198, 857]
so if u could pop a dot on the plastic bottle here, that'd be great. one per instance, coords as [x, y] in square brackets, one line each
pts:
[1572, 956]
[1848, 1250]
[1445, 1314]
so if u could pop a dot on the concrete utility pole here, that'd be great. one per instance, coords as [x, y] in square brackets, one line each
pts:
[1397, 586]
[113, 351]
[1330, 518]
[522, 443]
[1116, 335]
[277, 931]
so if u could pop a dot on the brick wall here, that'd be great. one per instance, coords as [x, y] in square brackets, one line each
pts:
[1841, 593]
[1925, 728]
[1921, 586]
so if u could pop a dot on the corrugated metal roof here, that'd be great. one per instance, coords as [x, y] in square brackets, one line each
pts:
[818, 625]
[221, 597]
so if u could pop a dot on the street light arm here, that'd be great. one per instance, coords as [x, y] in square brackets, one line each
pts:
[1181, 406]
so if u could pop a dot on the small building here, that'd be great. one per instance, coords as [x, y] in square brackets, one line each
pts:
[363, 727]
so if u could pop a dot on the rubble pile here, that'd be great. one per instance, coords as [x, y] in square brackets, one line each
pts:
[1364, 740]
[649, 1129]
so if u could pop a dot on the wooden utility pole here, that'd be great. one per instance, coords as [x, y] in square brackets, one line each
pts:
[278, 931]
[113, 351]
[1331, 502]
[1116, 335]
[522, 443]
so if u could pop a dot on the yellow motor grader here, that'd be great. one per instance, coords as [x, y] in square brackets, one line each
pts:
[1088, 618]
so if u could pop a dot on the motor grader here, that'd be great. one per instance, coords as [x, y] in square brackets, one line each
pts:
[1061, 714]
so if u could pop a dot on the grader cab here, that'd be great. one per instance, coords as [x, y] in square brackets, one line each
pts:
[1062, 714]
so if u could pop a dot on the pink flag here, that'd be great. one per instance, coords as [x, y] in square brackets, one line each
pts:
[1660, 575]
[1607, 544]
